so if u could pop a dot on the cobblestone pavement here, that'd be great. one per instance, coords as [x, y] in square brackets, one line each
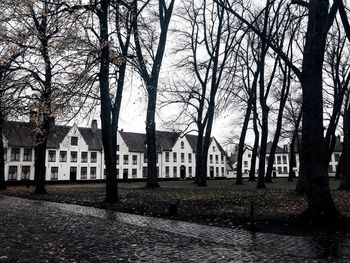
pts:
[38, 231]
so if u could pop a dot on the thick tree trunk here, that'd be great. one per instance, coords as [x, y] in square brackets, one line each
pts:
[2, 161]
[314, 158]
[345, 158]
[108, 136]
[239, 179]
[40, 156]
[152, 180]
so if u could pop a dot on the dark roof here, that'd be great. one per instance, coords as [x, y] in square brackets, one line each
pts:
[18, 134]
[92, 138]
[57, 135]
[136, 141]
[192, 140]
[278, 149]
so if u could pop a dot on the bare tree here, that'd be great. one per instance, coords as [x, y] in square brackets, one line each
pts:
[149, 60]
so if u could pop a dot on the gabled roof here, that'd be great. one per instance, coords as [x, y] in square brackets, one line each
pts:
[192, 140]
[56, 136]
[136, 141]
[20, 134]
[278, 149]
[92, 138]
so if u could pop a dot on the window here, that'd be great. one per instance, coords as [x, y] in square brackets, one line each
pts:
[222, 171]
[83, 173]
[5, 154]
[249, 155]
[182, 145]
[134, 159]
[190, 171]
[222, 159]
[25, 173]
[92, 172]
[174, 157]
[117, 159]
[278, 159]
[157, 158]
[74, 140]
[284, 159]
[134, 173]
[54, 173]
[190, 157]
[12, 173]
[216, 158]
[27, 155]
[63, 156]
[213, 148]
[245, 163]
[211, 158]
[93, 157]
[175, 171]
[84, 157]
[117, 147]
[15, 154]
[126, 159]
[167, 171]
[285, 170]
[73, 157]
[167, 154]
[336, 157]
[182, 157]
[52, 156]
[145, 158]
[217, 171]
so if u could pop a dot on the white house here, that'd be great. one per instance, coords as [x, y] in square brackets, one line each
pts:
[75, 153]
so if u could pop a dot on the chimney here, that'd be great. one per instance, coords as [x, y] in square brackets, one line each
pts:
[94, 125]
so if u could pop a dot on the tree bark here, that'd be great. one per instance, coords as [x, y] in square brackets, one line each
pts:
[152, 180]
[108, 137]
[239, 179]
[256, 142]
[314, 157]
[345, 157]
[2, 161]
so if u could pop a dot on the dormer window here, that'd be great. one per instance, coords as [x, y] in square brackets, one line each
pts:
[182, 145]
[74, 141]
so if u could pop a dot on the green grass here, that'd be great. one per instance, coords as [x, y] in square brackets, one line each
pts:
[222, 203]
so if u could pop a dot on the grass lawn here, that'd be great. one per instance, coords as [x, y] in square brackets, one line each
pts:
[222, 203]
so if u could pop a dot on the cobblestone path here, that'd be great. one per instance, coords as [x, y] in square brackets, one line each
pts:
[38, 231]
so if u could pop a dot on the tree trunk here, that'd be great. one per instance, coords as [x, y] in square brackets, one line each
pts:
[292, 160]
[199, 154]
[314, 158]
[2, 161]
[338, 172]
[109, 143]
[239, 179]
[256, 143]
[345, 157]
[40, 156]
[152, 180]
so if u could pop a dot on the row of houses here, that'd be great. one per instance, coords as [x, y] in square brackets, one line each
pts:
[281, 160]
[76, 153]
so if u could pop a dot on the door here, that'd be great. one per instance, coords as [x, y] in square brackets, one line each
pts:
[182, 172]
[211, 172]
[73, 174]
[125, 174]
